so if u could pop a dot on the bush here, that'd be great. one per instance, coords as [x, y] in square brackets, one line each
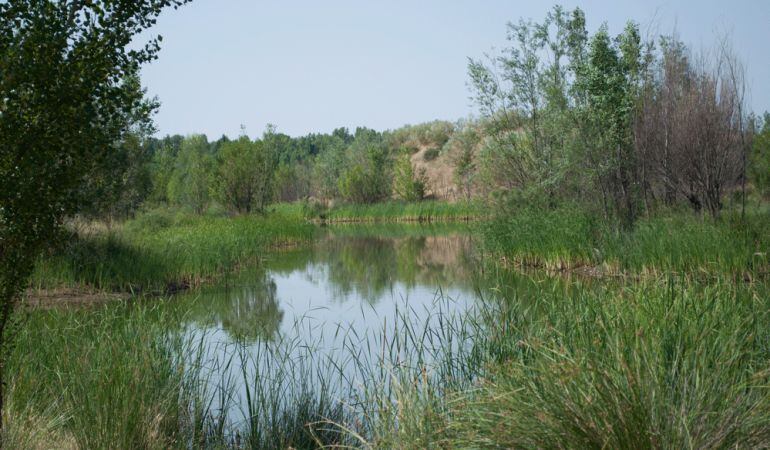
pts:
[431, 154]
[245, 176]
[407, 184]
[367, 180]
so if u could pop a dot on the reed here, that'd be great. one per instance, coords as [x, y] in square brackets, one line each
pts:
[660, 364]
[569, 239]
[394, 211]
[161, 251]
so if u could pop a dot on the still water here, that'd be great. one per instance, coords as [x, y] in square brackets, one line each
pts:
[351, 276]
[334, 306]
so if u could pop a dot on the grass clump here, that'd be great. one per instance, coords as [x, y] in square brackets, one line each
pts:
[106, 379]
[672, 364]
[167, 251]
[395, 211]
[567, 238]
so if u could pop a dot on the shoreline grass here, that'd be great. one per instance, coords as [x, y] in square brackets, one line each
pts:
[569, 239]
[671, 364]
[393, 211]
[162, 252]
[674, 360]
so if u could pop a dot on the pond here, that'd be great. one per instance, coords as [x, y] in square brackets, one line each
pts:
[334, 315]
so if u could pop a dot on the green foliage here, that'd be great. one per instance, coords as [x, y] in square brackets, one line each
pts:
[431, 154]
[367, 179]
[120, 182]
[464, 144]
[327, 170]
[608, 121]
[408, 184]
[524, 95]
[161, 170]
[245, 172]
[190, 179]
[759, 168]
[69, 99]
[292, 182]
[607, 81]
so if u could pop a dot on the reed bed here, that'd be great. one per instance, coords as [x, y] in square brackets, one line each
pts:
[568, 239]
[164, 252]
[659, 364]
[394, 211]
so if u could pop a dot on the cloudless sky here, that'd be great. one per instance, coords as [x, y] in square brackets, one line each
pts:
[311, 66]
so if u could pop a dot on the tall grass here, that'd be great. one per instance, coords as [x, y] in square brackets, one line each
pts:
[166, 252]
[134, 376]
[672, 364]
[567, 238]
[394, 211]
[108, 377]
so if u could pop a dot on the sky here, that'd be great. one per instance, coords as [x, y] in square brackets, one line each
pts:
[311, 66]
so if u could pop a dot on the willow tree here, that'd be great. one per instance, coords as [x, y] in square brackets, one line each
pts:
[66, 101]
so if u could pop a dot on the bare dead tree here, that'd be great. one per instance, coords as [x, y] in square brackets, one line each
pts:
[692, 130]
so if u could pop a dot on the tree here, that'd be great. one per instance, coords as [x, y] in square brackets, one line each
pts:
[245, 171]
[66, 101]
[292, 182]
[366, 178]
[189, 182]
[327, 169]
[408, 184]
[607, 79]
[464, 142]
[524, 98]
[760, 159]
[119, 181]
[692, 131]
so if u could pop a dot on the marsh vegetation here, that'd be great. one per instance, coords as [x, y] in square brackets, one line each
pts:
[584, 265]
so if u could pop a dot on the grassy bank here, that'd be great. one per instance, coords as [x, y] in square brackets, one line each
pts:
[393, 211]
[568, 239]
[164, 250]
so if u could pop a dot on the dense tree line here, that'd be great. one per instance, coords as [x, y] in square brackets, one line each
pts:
[244, 175]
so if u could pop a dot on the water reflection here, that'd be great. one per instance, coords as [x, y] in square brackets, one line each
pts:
[351, 276]
[247, 311]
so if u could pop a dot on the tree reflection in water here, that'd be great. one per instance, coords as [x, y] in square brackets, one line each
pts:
[246, 307]
[341, 271]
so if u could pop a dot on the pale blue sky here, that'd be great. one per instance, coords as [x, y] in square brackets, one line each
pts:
[311, 66]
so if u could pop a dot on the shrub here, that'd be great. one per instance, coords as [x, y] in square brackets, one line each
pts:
[407, 184]
[431, 154]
